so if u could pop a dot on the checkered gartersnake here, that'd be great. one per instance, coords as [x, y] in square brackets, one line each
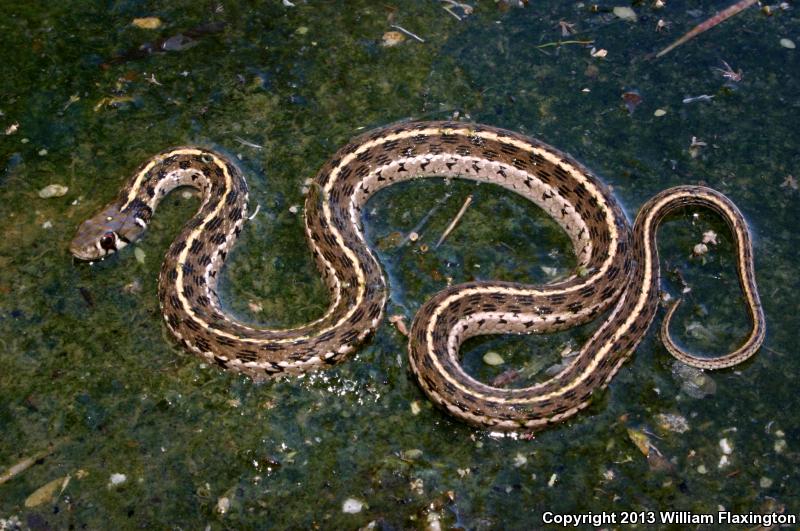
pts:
[619, 267]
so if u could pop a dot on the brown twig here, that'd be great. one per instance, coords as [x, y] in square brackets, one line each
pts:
[455, 221]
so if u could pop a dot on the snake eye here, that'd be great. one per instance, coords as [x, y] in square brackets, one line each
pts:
[108, 241]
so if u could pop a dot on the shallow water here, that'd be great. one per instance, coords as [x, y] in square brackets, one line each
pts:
[91, 386]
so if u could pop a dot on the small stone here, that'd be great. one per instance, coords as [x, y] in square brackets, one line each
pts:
[625, 13]
[302, 30]
[411, 455]
[47, 224]
[139, 254]
[765, 483]
[117, 479]
[549, 271]
[700, 249]
[702, 469]
[415, 408]
[42, 152]
[723, 461]
[601, 53]
[352, 506]
[725, 446]
[780, 446]
[552, 480]
[710, 236]
[223, 505]
[493, 358]
[672, 422]
[392, 38]
[520, 460]
[413, 236]
[53, 190]
[417, 486]
[659, 113]
[787, 43]
[294, 209]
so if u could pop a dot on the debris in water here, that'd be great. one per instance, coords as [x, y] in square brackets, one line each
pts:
[455, 221]
[701, 97]
[53, 190]
[694, 382]
[729, 73]
[567, 28]
[695, 146]
[175, 43]
[632, 99]
[640, 439]
[625, 13]
[117, 479]
[505, 378]
[410, 34]
[147, 22]
[352, 506]
[493, 358]
[672, 422]
[725, 446]
[399, 322]
[600, 54]
[719, 17]
[392, 38]
[47, 492]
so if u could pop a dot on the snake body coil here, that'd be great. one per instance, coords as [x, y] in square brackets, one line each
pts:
[620, 265]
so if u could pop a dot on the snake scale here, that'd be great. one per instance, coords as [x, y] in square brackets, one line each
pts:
[618, 264]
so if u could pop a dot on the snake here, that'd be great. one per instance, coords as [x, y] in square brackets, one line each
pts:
[617, 278]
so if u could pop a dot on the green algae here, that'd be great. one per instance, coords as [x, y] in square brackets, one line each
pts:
[86, 361]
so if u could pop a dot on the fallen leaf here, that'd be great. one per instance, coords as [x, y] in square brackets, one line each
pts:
[147, 22]
[641, 440]
[46, 492]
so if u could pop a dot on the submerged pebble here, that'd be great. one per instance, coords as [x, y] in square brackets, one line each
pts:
[53, 190]
[352, 506]
[694, 382]
[788, 43]
[117, 479]
[725, 446]
[493, 358]
[626, 13]
[520, 460]
[392, 38]
[672, 422]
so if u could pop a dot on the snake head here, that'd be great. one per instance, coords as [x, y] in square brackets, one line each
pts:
[106, 232]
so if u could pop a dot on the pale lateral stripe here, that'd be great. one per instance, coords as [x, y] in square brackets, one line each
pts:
[604, 349]
[487, 135]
